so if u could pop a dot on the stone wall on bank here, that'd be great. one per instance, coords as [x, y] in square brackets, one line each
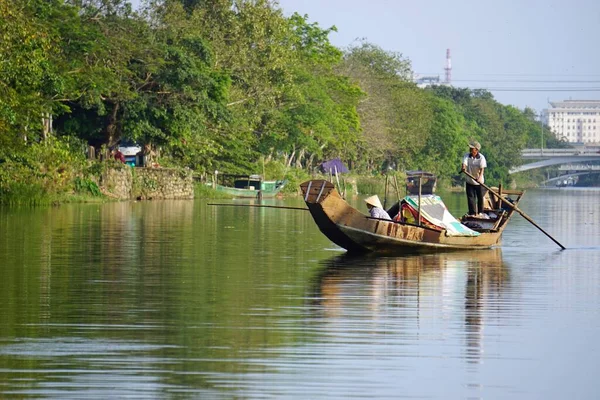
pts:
[117, 182]
[162, 183]
[147, 183]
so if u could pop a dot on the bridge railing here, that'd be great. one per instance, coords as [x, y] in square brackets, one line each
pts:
[579, 167]
[558, 152]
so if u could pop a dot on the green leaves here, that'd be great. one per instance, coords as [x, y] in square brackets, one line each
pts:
[446, 141]
[26, 74]
[221, 84]
[394, 115]
[503, 131]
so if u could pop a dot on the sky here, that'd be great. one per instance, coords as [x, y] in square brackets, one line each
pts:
[520, 50]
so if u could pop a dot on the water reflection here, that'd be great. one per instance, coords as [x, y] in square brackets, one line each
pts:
[571, 215]
[180, 300]
[418, 288]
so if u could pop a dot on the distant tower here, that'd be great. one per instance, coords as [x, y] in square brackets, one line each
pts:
[448, 68]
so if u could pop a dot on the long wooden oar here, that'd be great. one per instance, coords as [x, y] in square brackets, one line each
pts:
[256, 205]
[515, 208]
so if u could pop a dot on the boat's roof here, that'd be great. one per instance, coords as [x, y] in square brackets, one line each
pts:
[245, 176]
[419, 174]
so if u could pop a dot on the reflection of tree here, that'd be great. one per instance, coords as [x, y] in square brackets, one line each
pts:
[418, 286]
[172, 285]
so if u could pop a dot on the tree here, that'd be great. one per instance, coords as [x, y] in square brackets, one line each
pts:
[502, 130]
[108, 55]
[28, 80]
[316, 116]
[395, 115]
[446, 141]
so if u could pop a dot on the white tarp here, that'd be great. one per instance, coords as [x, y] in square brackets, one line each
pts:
[435, 211]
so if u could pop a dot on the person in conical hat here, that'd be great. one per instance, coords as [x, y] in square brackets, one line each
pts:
[375, 208]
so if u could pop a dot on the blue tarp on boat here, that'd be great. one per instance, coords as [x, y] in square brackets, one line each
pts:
[331, 166]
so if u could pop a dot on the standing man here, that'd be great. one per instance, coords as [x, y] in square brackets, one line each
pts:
[474, 163]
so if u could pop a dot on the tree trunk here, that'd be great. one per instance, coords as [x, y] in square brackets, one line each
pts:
[299, 159]
[270, 156]
[25, 133]
[309, 163]
[46, 125]
[289, 161]
[111, 127]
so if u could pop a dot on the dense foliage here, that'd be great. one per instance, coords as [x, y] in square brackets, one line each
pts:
[224, 84]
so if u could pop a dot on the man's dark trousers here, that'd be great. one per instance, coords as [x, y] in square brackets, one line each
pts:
[475, 195]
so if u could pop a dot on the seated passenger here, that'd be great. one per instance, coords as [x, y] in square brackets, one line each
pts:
[375, 208]
[406, 214]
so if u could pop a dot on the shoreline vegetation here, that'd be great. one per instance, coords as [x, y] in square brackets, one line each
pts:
[239, 88]
[84, 185]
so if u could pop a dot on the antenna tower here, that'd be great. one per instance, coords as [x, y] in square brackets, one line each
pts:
[448, 68]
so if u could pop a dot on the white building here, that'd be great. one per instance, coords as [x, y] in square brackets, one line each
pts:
[576, 121]
[424, 81]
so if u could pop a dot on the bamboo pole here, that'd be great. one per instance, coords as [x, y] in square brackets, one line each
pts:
[397, 190]
[419, 223]
[338, 181]
[385, 195]
[256, 205]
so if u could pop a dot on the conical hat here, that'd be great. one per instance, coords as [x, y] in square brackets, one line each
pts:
[374, 201]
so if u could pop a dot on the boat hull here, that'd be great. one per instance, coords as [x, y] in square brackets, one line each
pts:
[248, 193]
[358, 233]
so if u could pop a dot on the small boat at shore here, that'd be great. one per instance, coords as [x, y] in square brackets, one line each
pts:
[249, 186]
[421, 221]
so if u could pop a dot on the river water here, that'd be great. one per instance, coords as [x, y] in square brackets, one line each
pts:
[179, 299]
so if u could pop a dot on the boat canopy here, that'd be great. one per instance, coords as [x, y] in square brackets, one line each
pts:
[420, 182]
[250, 182]
[241, 181]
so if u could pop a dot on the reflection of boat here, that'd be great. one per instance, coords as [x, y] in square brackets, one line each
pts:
[413, 266]
[378, 277]
[427, 288]
[357, 232]
[249, 186]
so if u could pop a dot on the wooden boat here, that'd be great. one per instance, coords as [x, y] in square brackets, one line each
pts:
[249, 186]
[359, 233]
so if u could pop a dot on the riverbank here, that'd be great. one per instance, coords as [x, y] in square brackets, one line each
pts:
[56, 174]
[117, 182]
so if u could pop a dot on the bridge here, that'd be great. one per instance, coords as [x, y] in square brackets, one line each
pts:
[552, 153]
[579, 167]
[564, 179]
[548, 157]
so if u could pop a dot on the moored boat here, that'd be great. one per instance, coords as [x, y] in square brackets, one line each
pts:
[431, 227]
[249, 186]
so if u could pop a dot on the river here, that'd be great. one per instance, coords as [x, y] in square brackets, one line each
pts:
[179, 299]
